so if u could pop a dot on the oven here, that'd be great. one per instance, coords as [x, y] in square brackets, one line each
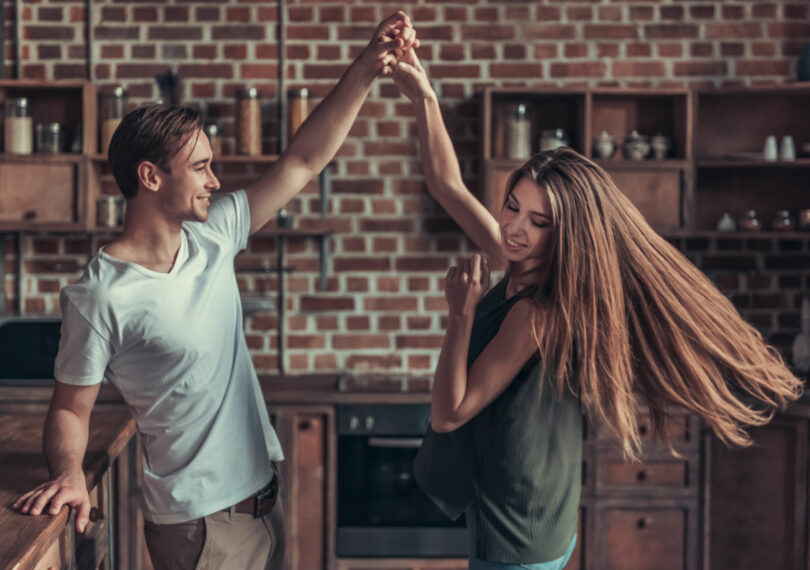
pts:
[29, 347]
[381, 512]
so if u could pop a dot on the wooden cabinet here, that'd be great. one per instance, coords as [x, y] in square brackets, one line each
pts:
[307, 436]
[757, 503]
[50, 191]
[715, 162]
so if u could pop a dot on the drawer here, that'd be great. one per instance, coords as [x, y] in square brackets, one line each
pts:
[679, 429]
[644, 539]
[39, 193]
[672, 473]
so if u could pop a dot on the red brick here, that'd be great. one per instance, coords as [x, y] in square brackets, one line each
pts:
[641, 13]
[64, 33]
[585, 69]
[267, 51]
[109, 14]
[150, 14]
[670, 50]
[267, 14]
[799, 30]
[358, 323]
[259, 71]
[77, 52]
[419, 362]
[34, 305]
[325, 362]
[795, 11]
[361, 186]
[672, 12]
[69, 71]
[700, 68]
[455, 14]
[112, 52]
[207, 14]
[322, 303]
[512, 70]
[418, 284]
[610, 32]
[763, 11]
[357, 284]
[363, 14]
[638, 50]
[205, 52]
[326, 323]
[515, 51]
[235, 51]
[639, 68]
[356, 341]
[435, 33]
[301, 14]
[367, 363]
[671, 31]
[762, 49]
[238, 33]
[305, 341]
[435, 304]
[389, 323]
[452, 52]
[387, 225]
[219, 70]
[549, 32]
[343, 264]
[545, 51]
[486, 14]
[463, 71]
[422, 263]
[390, 304]
[419, 341]
[579, 13]
[298, 361]
[173, 52]
[483, 51]
[353, 244]
[610, 13]
[175, 33]
[733, 12]
[701, 49]
[388, 284]
[386, 206]
[731, 31]
[762, 67]
[175, 14]
[237, 14]
[332, 14]
[49, 51]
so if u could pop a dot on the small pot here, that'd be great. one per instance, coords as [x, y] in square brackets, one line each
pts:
[636, 146]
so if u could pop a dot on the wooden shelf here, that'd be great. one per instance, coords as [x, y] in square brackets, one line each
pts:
[734, 163]
[646, 164]
[222, 158]
[737, 234]
[37, 158]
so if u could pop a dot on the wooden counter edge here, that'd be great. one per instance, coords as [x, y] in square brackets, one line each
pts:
[93, 472]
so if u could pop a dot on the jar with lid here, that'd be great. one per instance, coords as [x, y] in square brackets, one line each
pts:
[248, 122]
[750, 222]
[110, 211]
[49, 138]
[517, 132]
[297, 110]
[214, 138]
[782, 222]
[112, 110]
[18, 126]
[553, 138]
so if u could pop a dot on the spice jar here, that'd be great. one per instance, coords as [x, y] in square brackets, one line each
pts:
[248, 122]
[49, 138]
[517, 137]
[214, 138]
[782, 222]
[19, 131]
[297, 110]
[109, 211]
[749, 222]
[113, 108]
[553, 138]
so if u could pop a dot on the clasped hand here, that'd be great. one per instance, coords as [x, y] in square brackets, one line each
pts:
[465, 285]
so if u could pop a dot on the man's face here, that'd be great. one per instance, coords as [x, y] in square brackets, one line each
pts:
[190, 183]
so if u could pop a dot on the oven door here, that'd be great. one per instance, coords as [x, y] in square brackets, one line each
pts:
[381, 510]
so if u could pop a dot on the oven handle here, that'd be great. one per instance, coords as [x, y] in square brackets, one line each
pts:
[410, 442]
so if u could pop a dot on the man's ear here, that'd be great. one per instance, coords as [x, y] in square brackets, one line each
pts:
[150, 175]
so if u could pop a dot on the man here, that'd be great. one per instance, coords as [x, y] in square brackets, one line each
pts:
[157, 313]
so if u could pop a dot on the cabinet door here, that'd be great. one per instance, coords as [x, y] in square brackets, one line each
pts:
[307, 487]
[39, 193]
[643, 538]
[758, 500]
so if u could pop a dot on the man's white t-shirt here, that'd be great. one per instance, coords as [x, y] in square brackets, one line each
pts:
[173, 344]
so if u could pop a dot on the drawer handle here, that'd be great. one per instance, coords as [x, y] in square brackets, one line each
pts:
[305, 425]
[94, 514]
[642, 429]
[641, 475]
[29, 215]
[643, 522]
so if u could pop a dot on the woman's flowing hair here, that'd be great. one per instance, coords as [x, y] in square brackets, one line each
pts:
[625, 314]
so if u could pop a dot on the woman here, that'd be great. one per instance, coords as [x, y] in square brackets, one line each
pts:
[596, 314]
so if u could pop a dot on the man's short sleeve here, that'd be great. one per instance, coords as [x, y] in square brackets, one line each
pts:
[229, 219]
[83, 352]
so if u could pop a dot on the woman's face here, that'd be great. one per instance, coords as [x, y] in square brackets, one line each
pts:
[526, 224]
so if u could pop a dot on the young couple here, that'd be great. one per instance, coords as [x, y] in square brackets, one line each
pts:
[596, 314]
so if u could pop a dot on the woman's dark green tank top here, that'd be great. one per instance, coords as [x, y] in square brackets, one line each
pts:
[518, 461]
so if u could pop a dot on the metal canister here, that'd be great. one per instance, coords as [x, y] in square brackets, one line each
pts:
[107, 211]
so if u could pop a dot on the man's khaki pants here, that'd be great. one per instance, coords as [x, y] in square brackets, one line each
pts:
[220, 541]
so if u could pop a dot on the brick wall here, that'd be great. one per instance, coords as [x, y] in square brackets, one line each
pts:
[383, 306]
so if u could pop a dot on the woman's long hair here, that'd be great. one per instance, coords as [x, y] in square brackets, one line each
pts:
[625, 314]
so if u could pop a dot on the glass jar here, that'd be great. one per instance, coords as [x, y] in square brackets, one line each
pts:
[112, 109]
[49, 138]
[19, 127]
[109, 211]
[782, 222]
[750, 222]
[297, 110]
[517, 128]
[248, 122]
[214, 138]
[553, 138]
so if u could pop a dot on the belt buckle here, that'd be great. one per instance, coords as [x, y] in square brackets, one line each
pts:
[268, 494]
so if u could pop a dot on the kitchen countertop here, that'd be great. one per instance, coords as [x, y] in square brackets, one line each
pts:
[22, 467]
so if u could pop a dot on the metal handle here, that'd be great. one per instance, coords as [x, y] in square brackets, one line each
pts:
[402, 442]
[641, 475]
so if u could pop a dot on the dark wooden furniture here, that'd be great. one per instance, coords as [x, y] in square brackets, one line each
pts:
[43, 542]
[715, 163]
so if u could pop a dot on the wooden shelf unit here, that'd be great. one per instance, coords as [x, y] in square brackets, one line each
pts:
[713, 165]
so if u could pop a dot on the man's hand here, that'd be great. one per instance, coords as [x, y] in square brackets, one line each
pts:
[68, 489]
[391, 40]
[411, 79]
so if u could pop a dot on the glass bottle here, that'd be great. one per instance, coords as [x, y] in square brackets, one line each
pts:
[297, 110]
[113, 108]
[214, 138]
[750, 222]
[248, 122]
[19, 131]
[517, 137]
[49, 138]
[782, 222]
